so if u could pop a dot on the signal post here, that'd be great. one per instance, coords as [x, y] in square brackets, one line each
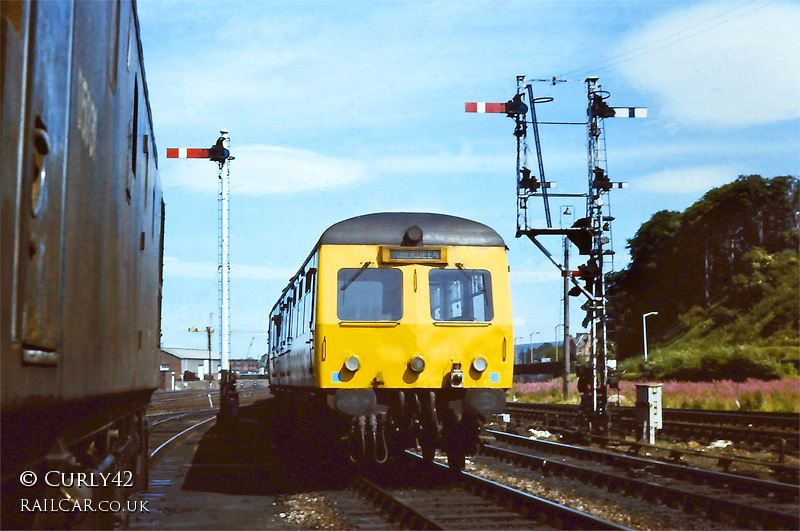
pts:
[588, 234]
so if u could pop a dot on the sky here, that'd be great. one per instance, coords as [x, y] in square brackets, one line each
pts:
[337, 109]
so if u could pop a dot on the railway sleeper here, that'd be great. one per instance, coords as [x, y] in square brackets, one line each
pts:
[715, 508]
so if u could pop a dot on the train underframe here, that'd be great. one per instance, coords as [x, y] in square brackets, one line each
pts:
[89, 457]
[377, 425]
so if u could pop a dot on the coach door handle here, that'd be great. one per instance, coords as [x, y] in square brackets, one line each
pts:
[41, 144]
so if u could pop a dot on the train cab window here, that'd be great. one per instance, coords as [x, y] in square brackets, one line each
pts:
[370, 294]
[461, 295]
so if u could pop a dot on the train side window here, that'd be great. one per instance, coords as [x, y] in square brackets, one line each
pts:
[309, 279]
[370, 294]
[304, 307]
[298, 308]
[276, 330]
[311, 285]
[461, 295]
[290, 314]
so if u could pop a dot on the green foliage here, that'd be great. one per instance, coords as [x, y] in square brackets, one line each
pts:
[723, 272]
[707, 364]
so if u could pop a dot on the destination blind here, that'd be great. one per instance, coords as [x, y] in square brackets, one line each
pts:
[421, 255]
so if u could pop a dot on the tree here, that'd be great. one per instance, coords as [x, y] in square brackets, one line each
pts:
[689, 259]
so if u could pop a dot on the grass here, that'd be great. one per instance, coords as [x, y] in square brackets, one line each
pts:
[749, 395]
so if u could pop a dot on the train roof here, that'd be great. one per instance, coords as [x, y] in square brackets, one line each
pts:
[388, 228]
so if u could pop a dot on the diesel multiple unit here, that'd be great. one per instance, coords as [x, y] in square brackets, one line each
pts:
[401, 322]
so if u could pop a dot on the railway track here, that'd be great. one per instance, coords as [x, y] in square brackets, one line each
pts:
[435, 498]
[438, 499]
[174, 429]
[748, 430]
[731, 499]
[177, 401]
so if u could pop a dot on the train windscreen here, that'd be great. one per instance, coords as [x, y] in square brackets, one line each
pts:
[370, 294]
[461, 295]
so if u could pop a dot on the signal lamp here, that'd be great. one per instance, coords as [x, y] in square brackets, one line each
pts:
[479, 364]
[217, 152]
[352, 364]
[516, 106]
[417, 364]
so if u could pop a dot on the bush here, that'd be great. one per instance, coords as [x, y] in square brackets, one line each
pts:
[716, 363]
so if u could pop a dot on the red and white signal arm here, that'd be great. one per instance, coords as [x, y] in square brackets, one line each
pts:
[187, 153]
[482, 106]
[629, 112]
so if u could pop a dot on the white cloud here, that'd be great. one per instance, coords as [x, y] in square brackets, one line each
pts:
[173, 267]
[260, 169]
[686, 180]
[715, 66]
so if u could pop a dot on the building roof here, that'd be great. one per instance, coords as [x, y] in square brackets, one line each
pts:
[388, 228]
[191, 353]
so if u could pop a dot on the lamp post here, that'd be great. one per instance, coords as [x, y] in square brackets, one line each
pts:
[644, 330]
[515, 349]
[530, 346]
[559, 325]
[567, 210]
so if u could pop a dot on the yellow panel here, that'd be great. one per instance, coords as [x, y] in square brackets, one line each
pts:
[385, 348]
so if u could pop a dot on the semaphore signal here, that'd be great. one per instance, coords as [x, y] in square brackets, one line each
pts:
[587, 233]
[219, 153]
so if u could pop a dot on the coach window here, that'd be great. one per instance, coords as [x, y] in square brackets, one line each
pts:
[461, 295]
[276, 332]
[370, 294]
[311, 288]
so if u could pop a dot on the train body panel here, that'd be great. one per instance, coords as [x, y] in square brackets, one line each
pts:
[82, 206]
[82, 233]
[384, 348]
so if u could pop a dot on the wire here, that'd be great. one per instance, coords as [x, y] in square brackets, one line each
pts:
[643, 50]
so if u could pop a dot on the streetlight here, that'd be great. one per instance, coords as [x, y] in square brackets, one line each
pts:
[566, 210]
[530, 346]
[515, 348]
[644, 330]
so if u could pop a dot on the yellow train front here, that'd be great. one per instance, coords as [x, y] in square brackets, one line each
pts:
[401, 322]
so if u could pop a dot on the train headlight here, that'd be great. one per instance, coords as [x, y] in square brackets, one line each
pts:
[479, 364]
[417, 364]
[352, 364]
